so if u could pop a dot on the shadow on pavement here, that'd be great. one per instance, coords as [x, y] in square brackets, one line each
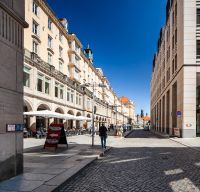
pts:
[142, 169]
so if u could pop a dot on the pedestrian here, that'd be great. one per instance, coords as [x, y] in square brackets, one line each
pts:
[103, 134]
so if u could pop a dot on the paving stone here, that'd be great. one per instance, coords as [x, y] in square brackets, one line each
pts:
[141, 163]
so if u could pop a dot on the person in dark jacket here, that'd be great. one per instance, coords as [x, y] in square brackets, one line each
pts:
[103, 134]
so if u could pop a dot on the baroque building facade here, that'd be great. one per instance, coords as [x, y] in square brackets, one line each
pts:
[176, 71]
[58, 74]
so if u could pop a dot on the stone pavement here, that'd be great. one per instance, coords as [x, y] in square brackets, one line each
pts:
[141, 163]
[189, 142]
[45, 170]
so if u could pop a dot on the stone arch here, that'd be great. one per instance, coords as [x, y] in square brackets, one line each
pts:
[59, 110]
[70, 112]
[29, 122]
[43, 106]
[41, 122]
[28, 105]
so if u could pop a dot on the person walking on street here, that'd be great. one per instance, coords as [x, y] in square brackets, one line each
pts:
[103, 134]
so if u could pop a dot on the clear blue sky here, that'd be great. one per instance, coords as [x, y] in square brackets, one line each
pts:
[123, 35]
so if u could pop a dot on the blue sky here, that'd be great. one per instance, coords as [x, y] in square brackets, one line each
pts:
[123, 35]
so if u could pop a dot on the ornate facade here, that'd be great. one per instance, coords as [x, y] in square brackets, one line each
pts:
[57, 72]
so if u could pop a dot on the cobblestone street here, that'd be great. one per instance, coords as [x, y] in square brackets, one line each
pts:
[142, 163]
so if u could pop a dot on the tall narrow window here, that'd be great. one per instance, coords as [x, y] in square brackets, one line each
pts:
[72, 96]
[49, 24]
[56, 90]
[50, 41]
[60, 51]
[47, 85]
[68, 94]
[40, 83]
[35, 8]
[61, 92]
[61, 37]
[26, 76]
[49, 59]
[176, 63]
[198, 49]
[35, 47]
[35, 28]
[198, 17]
[60, 66]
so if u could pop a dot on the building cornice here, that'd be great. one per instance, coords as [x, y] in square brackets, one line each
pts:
[54, 19]
[14, 15]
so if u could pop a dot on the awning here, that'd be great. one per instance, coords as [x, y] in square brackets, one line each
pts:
[52, 114]
[82, 118]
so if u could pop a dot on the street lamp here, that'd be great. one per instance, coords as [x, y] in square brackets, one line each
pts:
[93, 85]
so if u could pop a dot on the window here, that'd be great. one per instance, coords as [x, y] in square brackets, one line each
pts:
[175, 63]
[35, 28]
[176, 36]
[26, 77]
[68, 94]
[198, 16]
[40, 82]
[173, 67]
[35, 47]
[176, 10]
[77, 99]
[50, 41]
[72, 96]
[60, 51]
[76, 60]
[61, 92]
[198, 49]
[61, 37]
[49, 24]
[49, 59]
[173, 42]
[56, 90]
[88, 103]
[60, 67]
[35, 8]
[47, 85]
[76, 48]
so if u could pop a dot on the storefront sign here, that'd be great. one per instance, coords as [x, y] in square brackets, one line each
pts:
[15, 127]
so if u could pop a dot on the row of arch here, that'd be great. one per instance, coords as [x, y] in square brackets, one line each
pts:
[42, 122]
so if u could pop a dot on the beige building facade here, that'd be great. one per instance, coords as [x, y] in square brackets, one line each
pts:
[176, 71]
[59, 73]
[12, 25]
